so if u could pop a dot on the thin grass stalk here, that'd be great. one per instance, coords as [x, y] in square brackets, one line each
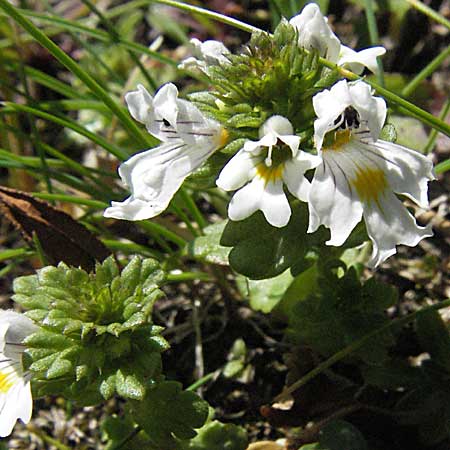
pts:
[71, 65]
[425, 73]
[115, 37]
[65, 122]
[429, 12]
[374, 35]
[354, 346]
[433, 134]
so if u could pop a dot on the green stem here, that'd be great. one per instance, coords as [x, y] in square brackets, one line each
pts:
[71, 65]
[111, 148]
[425, 72]
[431, 13]
[356, 346]
[193, 209]
[209, 14]
[71, 199]
[115, 37]
[188, 276]
[433, 135]
[404, 105]
[442, 167]
[201, 381]
[374, 37]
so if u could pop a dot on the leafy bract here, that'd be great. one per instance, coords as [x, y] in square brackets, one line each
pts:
[96, 337]
[167, 414]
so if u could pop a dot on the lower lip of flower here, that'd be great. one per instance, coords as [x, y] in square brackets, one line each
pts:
[5, 382]
[269, 173]
[338, 140]
[369, 184]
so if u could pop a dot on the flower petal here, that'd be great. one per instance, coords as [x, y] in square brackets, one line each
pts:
[293, 177]
[332, 201]
[372, 110]
[389, 224]
[15, 404]
[165, 104]
[259, 195]
[154, 176]
[239, 170]
[408, 171]
[356, 61]
[139, 103]
[328, 105]
[315, 33]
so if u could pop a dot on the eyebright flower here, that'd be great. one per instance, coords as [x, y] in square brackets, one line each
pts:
[15, 393]
[360, 174]
[188, 139]
[207, 53]
[315, 33]
[265, 165]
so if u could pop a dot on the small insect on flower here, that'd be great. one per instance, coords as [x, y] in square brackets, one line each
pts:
[15, 393]
[265, 165]
[360, 173]
[188, 139]
[315, 33]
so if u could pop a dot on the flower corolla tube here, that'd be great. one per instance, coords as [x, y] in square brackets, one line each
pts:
[259, 170]
[361, 174]
[315, 33]
[187, 138]
[15, 392]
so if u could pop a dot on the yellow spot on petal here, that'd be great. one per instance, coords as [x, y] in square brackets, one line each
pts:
[222, 137]
[269, 173]
[369, 184]
[5, 382]
[339, 139]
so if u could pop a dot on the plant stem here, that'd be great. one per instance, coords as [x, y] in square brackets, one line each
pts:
[356, 346]
[425, 72]
[374, 36]
[71, 65]
[209, 14]
[433, 134]
[431, 13]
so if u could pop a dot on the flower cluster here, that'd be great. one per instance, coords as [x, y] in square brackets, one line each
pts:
[336, 162]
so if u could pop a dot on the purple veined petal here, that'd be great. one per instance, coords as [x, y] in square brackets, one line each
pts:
[332, 201]
[154, 176]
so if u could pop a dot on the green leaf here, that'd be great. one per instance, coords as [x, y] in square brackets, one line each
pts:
[207, 248]
[342, 311]
[264, 295]
[167, 412]
[434, 337]
[262, 251]
[340, 435]
[218, 436]
[121, 432]
[410, 132]
[129, 386]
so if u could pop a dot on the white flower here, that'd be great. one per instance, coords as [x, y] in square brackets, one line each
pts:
[205, 54]
[15, 393]
[265, 165]
[315, 33]
[360, 174]
[188, 139]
